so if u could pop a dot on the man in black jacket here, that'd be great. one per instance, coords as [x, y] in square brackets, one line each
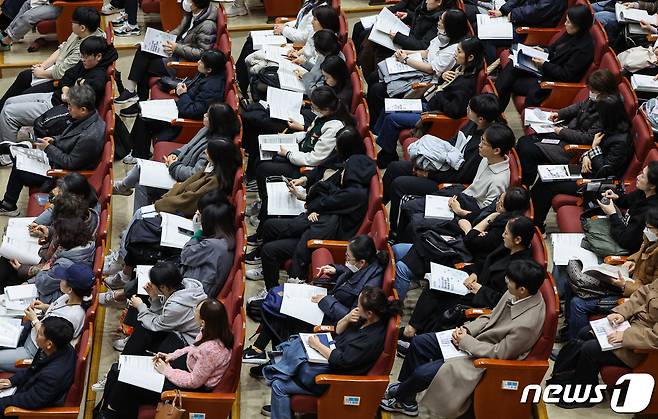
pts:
[79, 147]
[46, 382]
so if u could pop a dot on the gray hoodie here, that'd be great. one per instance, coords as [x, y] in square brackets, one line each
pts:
[176, 314]
[208, 260]
[191, 157]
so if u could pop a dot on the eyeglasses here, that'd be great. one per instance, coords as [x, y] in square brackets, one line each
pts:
[348, 257]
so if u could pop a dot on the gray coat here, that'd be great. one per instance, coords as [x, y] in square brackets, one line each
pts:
[191, 157]
[509, 332]
[209, 261]
[80, 146]
[198, 39]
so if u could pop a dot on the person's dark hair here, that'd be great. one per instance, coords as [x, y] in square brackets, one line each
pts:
[455, 24]
[226, 160]
[517, 199]
[612, 114]
[325, 98]
[603, 82]
[218, 221]
[336, 68]
[216, 325]
[77, 184]
[363, 248]
[222, 121]
[374, 299]
[473, 46]
[500, 136]
[581, 16]
[215, 60]
[486, 106]
[68, 205]
[327, 17]
[71, 232]
[349, 143]
[87, 16]
[652, 217]
[84, 294]
[522, 227]
[652, 173]
[82, 96]
[201, 4]
[93, 45]
[166, 274]
[526, 273]
[214, 197]
[326, 42]
[447, 4]
[58, 330]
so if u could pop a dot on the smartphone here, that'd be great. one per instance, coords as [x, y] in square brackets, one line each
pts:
[185, 232]
[32, 138]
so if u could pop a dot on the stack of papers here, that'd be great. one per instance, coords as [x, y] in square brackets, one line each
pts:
[313, 355]
[602, 328]
[437, 207]
[386, 23]
[139, 371]
[21, 292]
[31, 160]
[297, 302]
[275, 53]
[288, 80]
[566, 247]
[269, 144]
[281, 202]
[266, 37]
[644, 83]
[494, 27]
[522, 56]
[159, 109]
[25, 252]
[284, 104]
[559, 172]
[444, 278]
[10, 333]
[448, 349]
[154, 40]
[626, 15]
[142, 272]
[154, 174]
[395, 67]
[537, 119]
[403, 105]
[176, 231]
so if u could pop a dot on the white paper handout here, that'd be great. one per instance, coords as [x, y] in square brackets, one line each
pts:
[494, 27]
[644, 83]
[159, 109]
[403, 105]
[17, 228]
[395, 67]
[437, 207]
[142, 273]
[537, 119]
[313, 355]
[31, 160]
[448, 349]
[266, 37]
[566, 247]
[154, 39]
[25, 252]
[37, 80]
[559, 172]
[625, 14]
[297, 302]
[368, 21]
[386, 23]
[10, 333]
[21, 292]
[154, 174]
[281, 202]
[285, 104]
[444, 278]
[139, 371]
[288, 80]
[602, 328]
[269, 144]
[176, 230]
[275, 53]
[8, 392]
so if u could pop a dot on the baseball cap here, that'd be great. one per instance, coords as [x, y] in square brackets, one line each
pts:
[77, 276]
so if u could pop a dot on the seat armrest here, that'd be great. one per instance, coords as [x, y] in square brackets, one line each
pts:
[562, 94]
[282, 20]
[186, 122]
[324, 329]
[49, 412]
[182, 64]
[420, 85]
[621, 301]
[305, 169]
[652, 37]
[615, 260]
[193, 395]
[472, 313]
[537, 36]
[328, 244]
[23, 363]
[64, 172]
[334, 378]
[448, 185]
[510, 365]
[576, 150]
[462, 265]
[76, 4]
[434, 117]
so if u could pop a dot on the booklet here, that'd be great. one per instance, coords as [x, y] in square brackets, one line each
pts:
[154, 174]
[284, 104]
[154, 39]
[403, 105]
[313, 355]
[395, 67]
[602, 328]
[626, 15]
[24, 251]
[494, 27]
[522, 56]
[266, 37]
[288, 80]
[281, 202]
[644, 83]
[176, 230]
[268, 144]
[437, 207]
[297, 302]
[37, 80]
[31, 160]
[368, 21]
[559, 172]
[10, 333]
[8, 392]
[448, 349]
[21, 292]
[140, 371]
[386, 23]
[142, 273]
[159, 109]
[566, 247]
[444, 278]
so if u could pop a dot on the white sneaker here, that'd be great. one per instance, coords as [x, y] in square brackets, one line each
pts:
[105, 298]
[129, 159]
[260, 296]
[232, 10]
[109, 9]
[5, 160]
[120, 20]
[119, 189]
[295, 281]
[120, 344]
[113, 263]
[255, 274]
[127, 30]
[99, 387]
[117, 281]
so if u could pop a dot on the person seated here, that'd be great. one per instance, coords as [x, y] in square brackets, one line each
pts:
[438, 57]
[457, 88]
[75, 283]
[52, 372]
[491, 179]
[166, 324]
[480, 238]
[586, 358]
[609, 156]
[439, 310]
[85, 22]
[580, 123]
[604, 13]
[648, 54]
[79, 147]
[193, 99]
[196, 33]
[91, 71]
[335, 208]
[581, 301]
[198, 366]
[364, 266]
[569, 57]
[509, 332]
[403, 9]
[404, 178]
[359, 342]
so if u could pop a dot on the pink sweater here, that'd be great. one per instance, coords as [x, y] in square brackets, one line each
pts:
[207, 364]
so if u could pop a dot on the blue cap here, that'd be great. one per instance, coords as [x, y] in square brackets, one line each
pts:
[77, 276]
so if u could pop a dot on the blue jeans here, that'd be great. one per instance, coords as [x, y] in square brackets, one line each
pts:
[388, 128]
[579, 311]
[422, 362]
[403, 274]
[9, 356]
[280, 397]
[607, 19]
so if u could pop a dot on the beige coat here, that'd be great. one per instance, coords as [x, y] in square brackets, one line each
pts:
[641, 310]
[509, 332]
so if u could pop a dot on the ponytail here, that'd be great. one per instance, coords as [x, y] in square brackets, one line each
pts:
[374, 299]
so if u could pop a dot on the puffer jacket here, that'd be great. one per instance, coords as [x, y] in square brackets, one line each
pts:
[423, 29]
[582, 120]
[191, 157]
[199, 38]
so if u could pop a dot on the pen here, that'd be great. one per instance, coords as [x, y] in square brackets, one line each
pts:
[150, 352]
[184, 80]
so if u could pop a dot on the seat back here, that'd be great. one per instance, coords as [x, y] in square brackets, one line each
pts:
[231, 378]
[99, 258]
[224, 44]
[379, 230]
[106, 191]
[610, 62]
[384, 363]
[389, 273]
[542, 348]
[238, 256]
[106, 103]
[357, 91]
[234, 298]
[369, 143]
[362, 116]
[629, 98]
[514, 168]
[221, 25]
[374, 204]
[642, 137]
[343, 29]
[74, 396]
[539, 251]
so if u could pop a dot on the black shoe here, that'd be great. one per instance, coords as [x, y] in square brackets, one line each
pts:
[253, 257]
[385, 158]
[562, 335]
[8, 210]
[126, 97]
[257, 371]
[574, 405]
[401, 335]
[254, 240]
[131, 111]
[266, 410]
[251, 356]
[403, 348]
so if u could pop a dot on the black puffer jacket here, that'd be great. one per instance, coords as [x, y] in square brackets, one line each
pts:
[617, 150]
[570, 56]
[454, 98]
[423, 29]
[542, 13]
[582, 122]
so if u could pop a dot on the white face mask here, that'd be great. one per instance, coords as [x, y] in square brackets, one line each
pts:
[651, 236]
[187, 5]
[442, 37]
[196, 221]
[352, 267]
[593, 96]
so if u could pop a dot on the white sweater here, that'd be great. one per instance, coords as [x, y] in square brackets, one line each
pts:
[325, 144]
[490, 181]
